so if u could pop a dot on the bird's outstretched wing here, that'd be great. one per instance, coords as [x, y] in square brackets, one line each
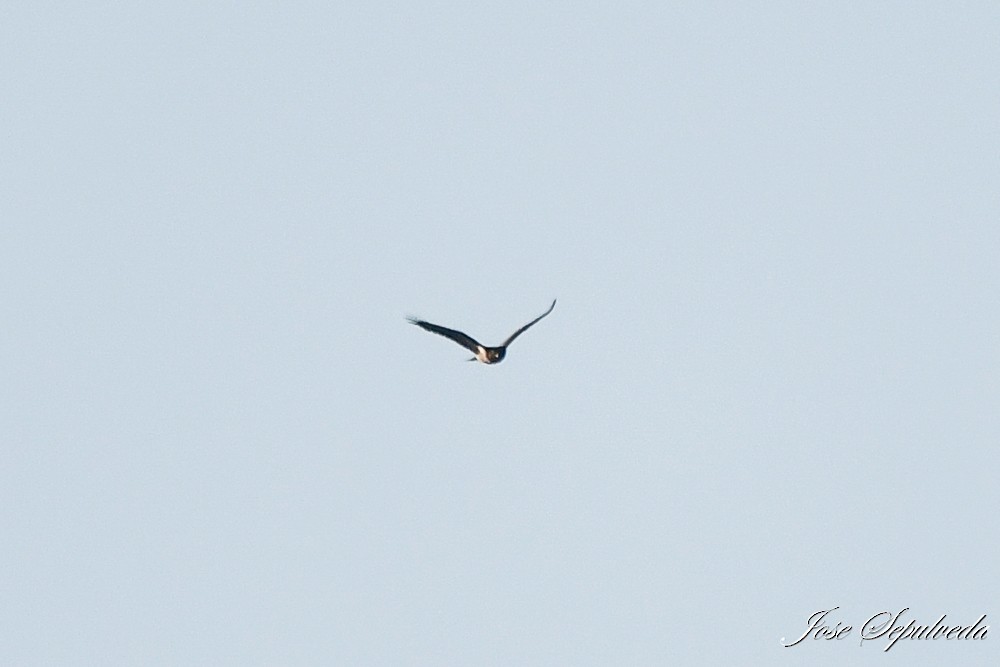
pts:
[467, 342]
[529, 324]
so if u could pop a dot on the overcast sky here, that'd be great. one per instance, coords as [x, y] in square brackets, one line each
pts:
[769, 386]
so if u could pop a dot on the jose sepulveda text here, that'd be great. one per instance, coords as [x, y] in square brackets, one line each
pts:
[889, 627]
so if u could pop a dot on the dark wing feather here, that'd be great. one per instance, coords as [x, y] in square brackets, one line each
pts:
[467, 342]
[529, 324]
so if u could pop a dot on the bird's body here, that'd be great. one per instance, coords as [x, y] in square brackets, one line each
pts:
[486, 355]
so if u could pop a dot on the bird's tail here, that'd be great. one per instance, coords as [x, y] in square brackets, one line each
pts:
[471, 359]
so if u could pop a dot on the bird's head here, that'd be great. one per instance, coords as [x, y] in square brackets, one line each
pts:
[496, 355]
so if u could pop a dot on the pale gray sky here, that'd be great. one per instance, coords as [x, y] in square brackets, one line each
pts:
[769, 386]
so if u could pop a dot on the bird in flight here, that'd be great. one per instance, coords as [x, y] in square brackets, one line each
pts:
[487, 355]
